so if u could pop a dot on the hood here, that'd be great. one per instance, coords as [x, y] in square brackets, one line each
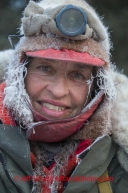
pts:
[40, 33]
[109, 118]
[120, 117]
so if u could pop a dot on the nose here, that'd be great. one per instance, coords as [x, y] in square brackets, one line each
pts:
[59, 87]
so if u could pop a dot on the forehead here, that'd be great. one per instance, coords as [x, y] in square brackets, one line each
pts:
[57, 63]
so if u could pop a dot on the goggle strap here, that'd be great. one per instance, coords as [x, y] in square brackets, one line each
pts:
[10, 37]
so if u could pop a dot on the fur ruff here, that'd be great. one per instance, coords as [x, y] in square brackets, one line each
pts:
[4, 62]
[15, 89]
[99, 124]
[60, 159]
[112, 118]
[120, 118]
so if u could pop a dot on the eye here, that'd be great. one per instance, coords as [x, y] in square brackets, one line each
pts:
[44, 68]
[41, 69]
[78, 77]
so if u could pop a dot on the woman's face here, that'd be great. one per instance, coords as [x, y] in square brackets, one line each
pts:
[57, 89]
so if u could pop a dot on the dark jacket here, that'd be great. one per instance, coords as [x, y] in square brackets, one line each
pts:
[16, 167]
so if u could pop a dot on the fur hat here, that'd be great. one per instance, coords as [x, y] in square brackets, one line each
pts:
[41, 33]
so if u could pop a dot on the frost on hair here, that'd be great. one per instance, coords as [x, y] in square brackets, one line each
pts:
[104, 82]
[15, 93]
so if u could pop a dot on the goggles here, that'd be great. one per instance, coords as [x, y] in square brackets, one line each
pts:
[71, 21]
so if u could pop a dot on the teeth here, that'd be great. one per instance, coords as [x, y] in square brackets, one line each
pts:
[52, 107]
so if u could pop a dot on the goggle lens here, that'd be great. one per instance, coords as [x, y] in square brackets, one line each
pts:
[71, 21]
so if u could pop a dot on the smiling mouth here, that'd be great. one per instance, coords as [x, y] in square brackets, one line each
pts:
[53, 107]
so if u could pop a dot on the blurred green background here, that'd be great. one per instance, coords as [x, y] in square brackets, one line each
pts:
[114, 12]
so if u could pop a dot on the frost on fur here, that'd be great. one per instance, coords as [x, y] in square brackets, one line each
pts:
[105, 82]
[4, 62]
[15, 93]
[53, 177]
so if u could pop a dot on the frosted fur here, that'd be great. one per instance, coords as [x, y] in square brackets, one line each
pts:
[120, 117]
[15, 93]
[60, 159]
[68, 150]
[105, 82]
[43, 42]
[4, 61]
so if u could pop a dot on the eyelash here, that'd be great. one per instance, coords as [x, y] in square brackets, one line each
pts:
[78, 73]
[44, 66]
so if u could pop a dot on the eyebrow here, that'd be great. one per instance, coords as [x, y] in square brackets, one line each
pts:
[77, 65]
[82, 66]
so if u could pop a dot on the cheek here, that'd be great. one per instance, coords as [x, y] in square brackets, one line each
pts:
[32, 85]
[80, 96]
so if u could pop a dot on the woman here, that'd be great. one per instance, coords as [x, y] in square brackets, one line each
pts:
[59, 104]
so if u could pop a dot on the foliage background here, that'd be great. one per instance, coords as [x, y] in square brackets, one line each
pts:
[114, 12]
